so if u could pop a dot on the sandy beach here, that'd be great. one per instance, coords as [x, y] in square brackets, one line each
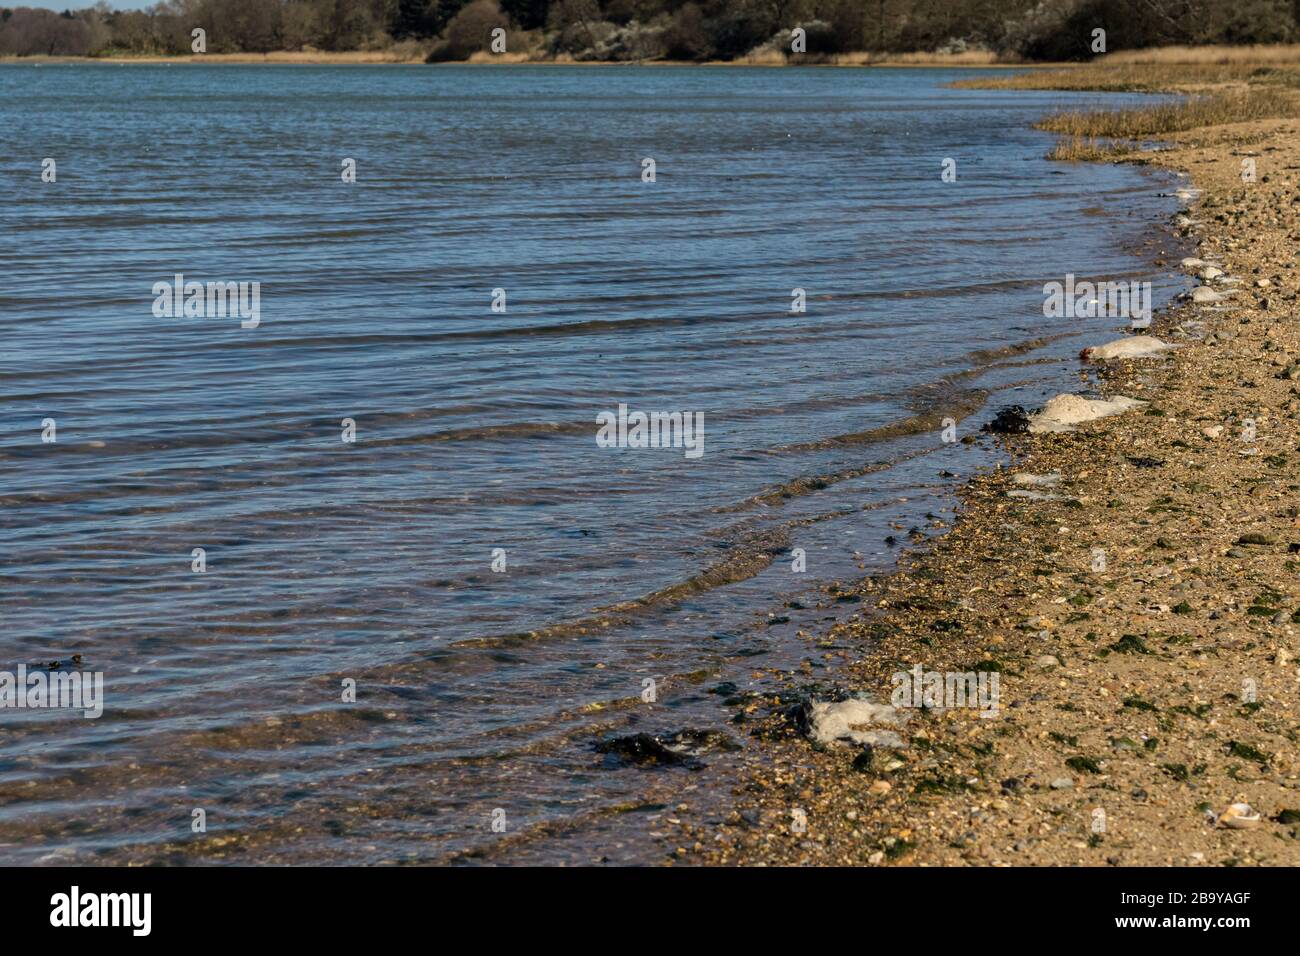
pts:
[1132, 582]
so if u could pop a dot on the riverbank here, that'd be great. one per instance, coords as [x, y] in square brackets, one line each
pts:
[418, 54]
[1157, 69]
[1133, 585]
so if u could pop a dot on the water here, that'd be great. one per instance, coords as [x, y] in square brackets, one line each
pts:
[371, 561]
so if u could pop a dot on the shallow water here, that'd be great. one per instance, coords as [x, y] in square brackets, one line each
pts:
[371, 561]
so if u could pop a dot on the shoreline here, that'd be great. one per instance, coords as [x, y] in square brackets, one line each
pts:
[393, 58]
[1125, 724]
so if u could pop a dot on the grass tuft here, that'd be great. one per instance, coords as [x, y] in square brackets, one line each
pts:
[1193, 113]
[1078, 149]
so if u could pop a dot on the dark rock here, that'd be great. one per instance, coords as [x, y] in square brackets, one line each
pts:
[677, 749]
[1011, 420]
[864, 760]
[1255, 538]
[643, 749]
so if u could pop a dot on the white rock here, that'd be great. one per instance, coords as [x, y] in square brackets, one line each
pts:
[1049, 480]
[1064, 411]
[1212, 432]
[853, 721]
[1130, 347]
[1032, 495]
[1205, 294]
[1209, 273]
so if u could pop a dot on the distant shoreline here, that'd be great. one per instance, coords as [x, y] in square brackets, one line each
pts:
[1158, 59]
[379, 57]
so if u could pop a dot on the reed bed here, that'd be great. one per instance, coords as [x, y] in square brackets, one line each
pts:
[1194, 112]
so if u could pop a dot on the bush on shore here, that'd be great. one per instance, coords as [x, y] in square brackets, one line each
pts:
[754, 30]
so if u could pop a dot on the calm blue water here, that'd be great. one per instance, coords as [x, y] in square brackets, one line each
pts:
[371, 561]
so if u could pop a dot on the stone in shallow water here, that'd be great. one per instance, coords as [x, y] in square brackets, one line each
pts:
[1065, 411]
[1012, 420]
[1202, 294]
[677, 749]
[1132, 347]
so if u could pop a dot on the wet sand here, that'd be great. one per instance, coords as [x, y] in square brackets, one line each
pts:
[1139, 698]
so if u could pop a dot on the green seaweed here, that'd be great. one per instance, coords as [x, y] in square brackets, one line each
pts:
[1083, 764]
[1130, 644]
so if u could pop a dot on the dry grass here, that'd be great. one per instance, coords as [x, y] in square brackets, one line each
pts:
[966, 58]
[1079, 149]
[1225, 85]
[773, 57]
[1124, 77]
[1235, 106]
[1108, 135]
[1161, 70]
[1274, 54]
[764, 57]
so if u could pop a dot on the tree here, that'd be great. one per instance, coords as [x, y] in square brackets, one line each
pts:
[529, 14]
[415, 18]
[350, 24]
[686, 37]
[301, 24]
[470, 31]
[573, 20]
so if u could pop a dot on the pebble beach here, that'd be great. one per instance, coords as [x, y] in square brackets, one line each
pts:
[1132, 582]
